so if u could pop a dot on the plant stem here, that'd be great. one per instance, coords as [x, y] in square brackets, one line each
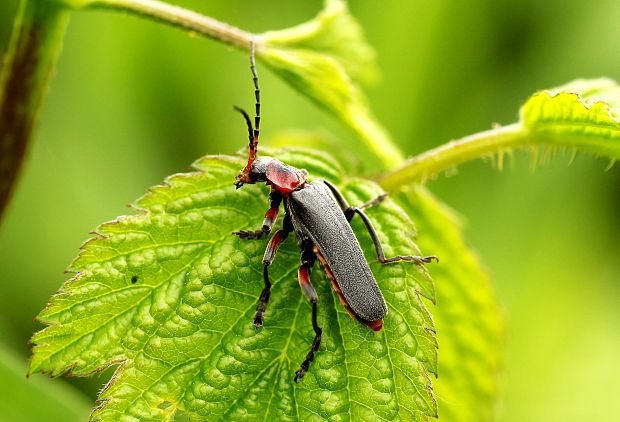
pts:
[450, 155]
[179, 17]
[365, 126]
[35, 45]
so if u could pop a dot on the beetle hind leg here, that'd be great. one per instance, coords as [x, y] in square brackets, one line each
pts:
[417, 259]
[420, 260]
[263, 299]
[379, 199]
[308, 258]
[350, 212]
[316, 343]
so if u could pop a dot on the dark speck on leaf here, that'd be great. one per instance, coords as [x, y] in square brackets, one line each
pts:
[134, 279]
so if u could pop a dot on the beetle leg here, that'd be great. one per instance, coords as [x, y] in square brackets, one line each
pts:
[379, 199]
[275, 198]
[268, 257]
[339, 198]
[308, 257]
[350, 213]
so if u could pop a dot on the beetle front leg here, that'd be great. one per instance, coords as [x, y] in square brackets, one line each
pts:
[308, 258]
[268, 257]
[275, 198]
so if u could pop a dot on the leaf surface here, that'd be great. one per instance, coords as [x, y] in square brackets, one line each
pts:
[583, 113]
[469, 323]
[169, 294]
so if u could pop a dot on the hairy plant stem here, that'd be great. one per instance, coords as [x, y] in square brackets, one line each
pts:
[447, 156]
[176, 16]
[28, 65]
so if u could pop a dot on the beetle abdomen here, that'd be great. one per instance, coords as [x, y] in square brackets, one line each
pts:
[316, 216]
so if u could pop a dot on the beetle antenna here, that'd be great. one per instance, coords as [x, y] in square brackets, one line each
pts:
[257, 95]
[252, 132]
[248, 122]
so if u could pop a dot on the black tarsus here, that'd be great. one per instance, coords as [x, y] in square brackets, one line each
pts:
[350, 212]
[374, 202]
[263, 299]
[316, 343]
[251, 234]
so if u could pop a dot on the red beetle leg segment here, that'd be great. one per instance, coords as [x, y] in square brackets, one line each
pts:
[270, 218]
[273, 245]
[310, 293]
[306, 286]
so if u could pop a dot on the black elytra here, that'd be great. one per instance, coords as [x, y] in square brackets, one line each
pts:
[320, 217]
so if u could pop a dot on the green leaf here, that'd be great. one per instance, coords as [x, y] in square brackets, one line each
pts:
[322, 59]
[470, 326]
[334, 32]
[469, 323]
[169, 295]
[584, 114]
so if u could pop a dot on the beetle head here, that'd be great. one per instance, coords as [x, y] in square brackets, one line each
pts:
[275, 173]
[255, 171]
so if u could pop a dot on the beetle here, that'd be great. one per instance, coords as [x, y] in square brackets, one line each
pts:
[320, 217]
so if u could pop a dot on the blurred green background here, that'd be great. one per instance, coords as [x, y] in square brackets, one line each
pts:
[133, 101]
